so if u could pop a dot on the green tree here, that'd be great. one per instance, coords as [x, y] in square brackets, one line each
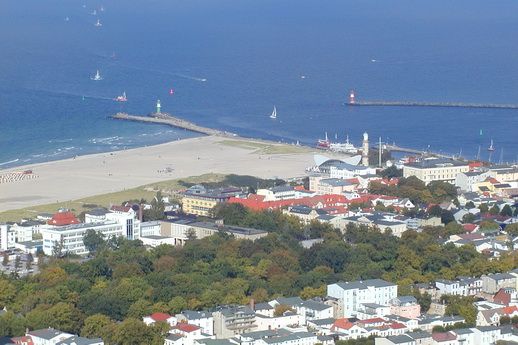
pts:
[93, 240]
[512, 229]
[65, 317]
[468, 218]
[391, 172]
[97, 326]
[7, 293]
[132, 332]
[484, 208]
[157, 208]
[494, 210]
[506, 211]
[469, 205]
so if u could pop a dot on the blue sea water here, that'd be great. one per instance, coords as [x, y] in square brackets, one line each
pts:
[231, 61]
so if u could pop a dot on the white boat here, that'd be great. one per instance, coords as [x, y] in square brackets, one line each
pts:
[67, 19]
[274, 113]
[491, 147]
[94, 12]
[97, 76]
[101, 9]
[346, 147]
[121, 98]
[98, 24]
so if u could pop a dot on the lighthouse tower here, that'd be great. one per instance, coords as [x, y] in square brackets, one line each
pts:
[352, 97]
[158, 108]
[365, 150]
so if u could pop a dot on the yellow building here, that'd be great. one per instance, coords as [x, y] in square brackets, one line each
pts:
[200, 201]
[435, 169]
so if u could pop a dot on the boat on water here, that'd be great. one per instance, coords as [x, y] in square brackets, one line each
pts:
[94, 12]
[67, 19]
[274, 113]
[323, 144]
[491, 148]
[101, 9]
[98, 24]
[97, 76]
[346, 147]
[121, 98]
[171, 92]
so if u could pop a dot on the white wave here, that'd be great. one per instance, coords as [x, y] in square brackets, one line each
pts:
[60, 140]
[9, 162]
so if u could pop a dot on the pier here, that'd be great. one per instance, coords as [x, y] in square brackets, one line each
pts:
[354, 102]
[396, 148]
[167, 119]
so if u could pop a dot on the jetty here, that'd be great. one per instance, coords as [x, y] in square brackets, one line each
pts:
[395, 148]
[173, 121]
[353, 102]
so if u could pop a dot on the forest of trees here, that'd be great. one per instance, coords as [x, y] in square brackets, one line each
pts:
[123, 281]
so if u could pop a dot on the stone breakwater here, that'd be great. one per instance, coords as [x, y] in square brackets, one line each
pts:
[167, 119]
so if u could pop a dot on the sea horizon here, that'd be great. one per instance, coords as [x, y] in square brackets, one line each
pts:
[229, 64]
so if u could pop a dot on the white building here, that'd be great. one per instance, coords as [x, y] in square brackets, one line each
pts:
[466, 180]
[70, 237]
[353, 294]
[48, 336]
[435, 169]
[7, 237]
[283, 193]
[202, 319]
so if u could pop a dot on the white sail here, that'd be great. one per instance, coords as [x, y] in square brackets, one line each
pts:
[274, 113]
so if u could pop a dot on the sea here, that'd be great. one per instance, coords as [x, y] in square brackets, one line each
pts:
[230, 62]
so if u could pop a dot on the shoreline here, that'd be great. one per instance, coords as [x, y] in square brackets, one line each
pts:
[115, 171]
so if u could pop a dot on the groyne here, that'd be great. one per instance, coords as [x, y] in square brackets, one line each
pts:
[167, 119]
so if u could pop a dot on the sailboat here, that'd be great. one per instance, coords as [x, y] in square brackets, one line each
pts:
[97, 76]
[491, 147]
[98, 24]
[274, 113]
[121, 98]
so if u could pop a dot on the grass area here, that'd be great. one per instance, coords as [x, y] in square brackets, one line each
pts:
[105, 200]
[266, 148]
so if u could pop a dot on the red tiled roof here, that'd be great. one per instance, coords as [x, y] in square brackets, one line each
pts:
[343, 323]
[470, 227]
[63, 218]
[160, 316]
[397, 325]
[440, 337]
[373, 320]
[510, 310]
[257, 203]
[185, 327]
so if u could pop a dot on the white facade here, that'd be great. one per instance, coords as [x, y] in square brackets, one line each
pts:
[202, 319]
[7, 237]
[353, 294]
[435, 170]
[71, 236]
[450, 287]
[150, 228]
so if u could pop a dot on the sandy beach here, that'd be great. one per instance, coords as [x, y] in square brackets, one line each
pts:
[102, 173]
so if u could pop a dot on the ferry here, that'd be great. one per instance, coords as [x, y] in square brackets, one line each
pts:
[97, 76]
[121, 98]
[346, 147]
[98, 24]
